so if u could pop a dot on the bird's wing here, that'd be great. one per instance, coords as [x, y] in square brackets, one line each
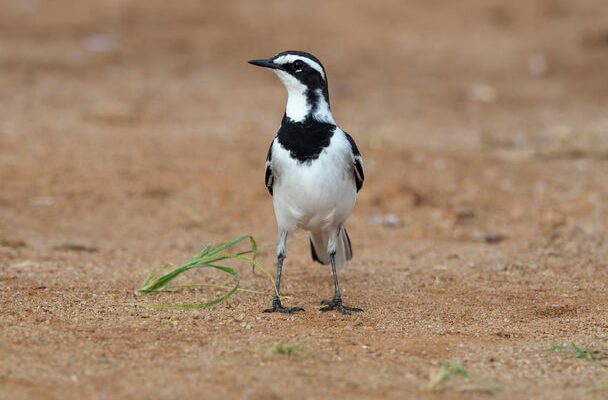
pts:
[357, 162]
[269, 178]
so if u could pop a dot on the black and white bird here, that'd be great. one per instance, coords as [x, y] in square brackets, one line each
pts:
[313, 171]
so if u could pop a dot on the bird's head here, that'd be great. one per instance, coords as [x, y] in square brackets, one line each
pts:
[304, 78]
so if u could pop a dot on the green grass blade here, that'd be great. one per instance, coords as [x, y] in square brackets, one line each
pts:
[208, 257]
[159, 283]
[153, 274]
[232, 242]
[207, 304]
[250, 260]
[172, 288]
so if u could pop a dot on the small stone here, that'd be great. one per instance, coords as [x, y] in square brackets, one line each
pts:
[492, 237]
[481, 93]
[463, 213]
[390, 220]
[488, 237]
[538, 64]
[99, 43]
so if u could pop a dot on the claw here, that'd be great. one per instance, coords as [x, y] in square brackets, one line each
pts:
[286, 310]
[336, 304]
[278, 307]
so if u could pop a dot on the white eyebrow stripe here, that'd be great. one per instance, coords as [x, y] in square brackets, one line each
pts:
[289, 58]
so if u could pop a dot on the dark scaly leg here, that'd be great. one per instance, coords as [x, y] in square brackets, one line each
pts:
[336, 302]
[276, 301]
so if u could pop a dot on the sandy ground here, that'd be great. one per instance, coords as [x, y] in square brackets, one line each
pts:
[132, 132]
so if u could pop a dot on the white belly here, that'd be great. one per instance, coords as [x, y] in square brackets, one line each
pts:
[316, 196]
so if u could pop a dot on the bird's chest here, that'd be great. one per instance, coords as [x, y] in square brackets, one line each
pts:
[305, 141]
[311, 166]
[316, 191]
[313, 193]
[308, 178]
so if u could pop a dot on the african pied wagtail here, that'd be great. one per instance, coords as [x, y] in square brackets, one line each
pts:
[313, 171]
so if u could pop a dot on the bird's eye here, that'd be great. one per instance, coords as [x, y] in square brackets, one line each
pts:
[298, 65]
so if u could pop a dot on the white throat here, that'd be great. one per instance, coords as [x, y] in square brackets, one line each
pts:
[298, 107]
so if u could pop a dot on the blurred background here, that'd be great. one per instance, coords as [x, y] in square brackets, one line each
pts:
[131, 132]
[121, 92]
[431, 73]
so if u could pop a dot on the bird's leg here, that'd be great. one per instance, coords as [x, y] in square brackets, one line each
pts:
[336, 302]
[276, 300]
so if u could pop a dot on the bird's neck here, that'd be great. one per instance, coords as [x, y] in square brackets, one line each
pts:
[304, 103]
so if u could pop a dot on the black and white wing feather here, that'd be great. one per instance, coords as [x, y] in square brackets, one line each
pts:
[357, 162]
[269, 178]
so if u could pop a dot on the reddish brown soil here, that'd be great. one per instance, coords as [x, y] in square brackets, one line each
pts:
[484, 127]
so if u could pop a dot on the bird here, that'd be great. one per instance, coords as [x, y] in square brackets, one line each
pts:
[313, 172]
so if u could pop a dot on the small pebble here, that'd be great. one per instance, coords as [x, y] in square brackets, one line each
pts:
[538, 64]
[481, 93]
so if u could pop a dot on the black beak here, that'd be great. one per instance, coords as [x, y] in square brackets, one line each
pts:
[266, 63]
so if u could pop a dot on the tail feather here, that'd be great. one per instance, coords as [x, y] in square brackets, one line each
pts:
[319, 253]
[313, 253]
[318, 247]
[348, 248]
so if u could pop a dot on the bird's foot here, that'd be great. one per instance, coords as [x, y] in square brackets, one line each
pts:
[278, 307]
[336, 304]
